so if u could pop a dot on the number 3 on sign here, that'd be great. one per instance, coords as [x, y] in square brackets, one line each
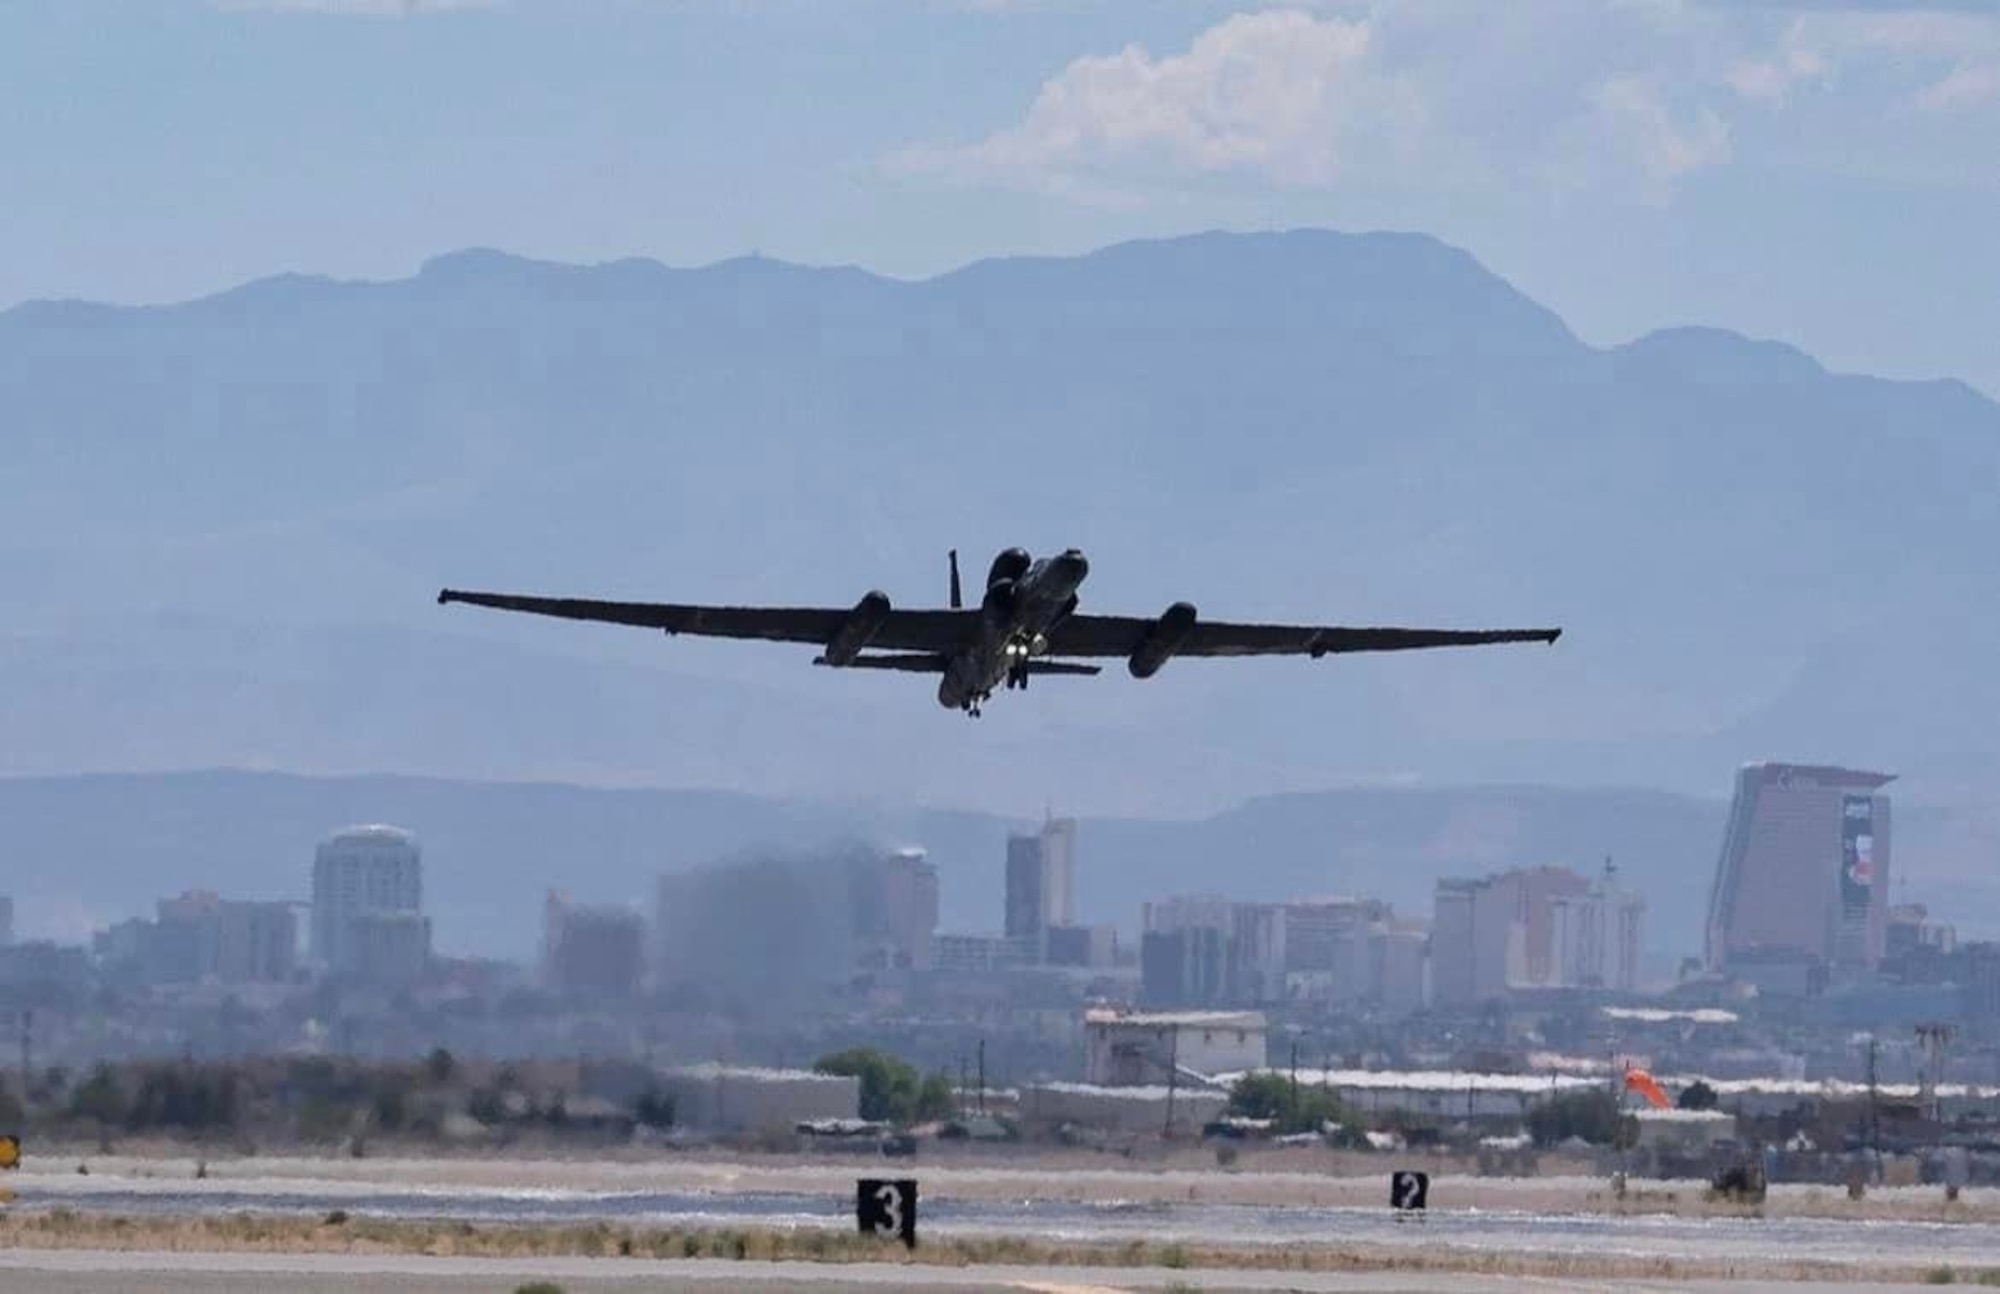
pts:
[887, 1209]
[889, 1218]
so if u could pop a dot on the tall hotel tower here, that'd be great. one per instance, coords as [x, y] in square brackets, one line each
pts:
[1801, 890]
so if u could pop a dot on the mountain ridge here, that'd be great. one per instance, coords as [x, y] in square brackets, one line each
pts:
[225, 526]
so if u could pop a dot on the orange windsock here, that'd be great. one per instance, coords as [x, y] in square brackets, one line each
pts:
[1641, 1082]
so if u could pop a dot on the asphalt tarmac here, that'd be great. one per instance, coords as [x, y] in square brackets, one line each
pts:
[102, 1272]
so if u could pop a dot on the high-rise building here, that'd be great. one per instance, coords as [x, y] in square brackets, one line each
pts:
[1801, 887]
[6, 920]
[1497, 933]
[1041, 879]
[1599, 936]
[595, 952]
[388, 949]
[1315, 927]
[1058, 872]
[1184, 967]
[894, 897]
[1468, 945]
[369, 877]
[1256, 971]
[1209, 950]
[1399, 956]
[202, 936]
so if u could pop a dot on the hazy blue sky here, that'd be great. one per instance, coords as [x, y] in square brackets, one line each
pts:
[1824, 173]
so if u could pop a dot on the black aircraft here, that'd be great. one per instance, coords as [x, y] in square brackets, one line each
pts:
[1026, 619]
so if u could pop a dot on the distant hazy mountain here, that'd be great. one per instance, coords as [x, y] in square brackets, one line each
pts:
[222, 524]
[84, 851]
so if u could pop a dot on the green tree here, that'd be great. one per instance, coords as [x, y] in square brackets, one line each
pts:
[890, 1089]
[1696, 1096]
[99, 1097]
[935, 1100]
[391, 1104]
[186, 1098]
[1591, 1115]
[1291, 1107]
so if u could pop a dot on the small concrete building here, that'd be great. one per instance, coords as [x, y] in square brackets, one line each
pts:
[1121, 1109]
[1136, 1049]
[720, 1098]
[1687, 1131]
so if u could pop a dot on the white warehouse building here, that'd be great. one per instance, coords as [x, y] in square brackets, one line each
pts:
[1139, 1049]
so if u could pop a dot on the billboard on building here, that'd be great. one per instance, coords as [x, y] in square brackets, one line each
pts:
[1857, 854]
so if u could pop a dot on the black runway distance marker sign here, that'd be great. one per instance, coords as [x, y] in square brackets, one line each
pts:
[887, 1208]
[1409, 1190]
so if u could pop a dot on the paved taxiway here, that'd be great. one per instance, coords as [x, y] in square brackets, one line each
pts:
[102, 1271]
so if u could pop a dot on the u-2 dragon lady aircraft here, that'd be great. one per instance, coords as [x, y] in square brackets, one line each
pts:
[1024, 624]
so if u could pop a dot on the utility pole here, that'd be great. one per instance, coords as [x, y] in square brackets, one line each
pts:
[27, 1054]
[1874, 1112]
[1173, 1072]
[982, 1075]
[1935, 1037]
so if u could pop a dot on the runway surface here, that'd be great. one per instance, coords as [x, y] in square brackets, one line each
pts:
[1757, 1240]
[96, 1272]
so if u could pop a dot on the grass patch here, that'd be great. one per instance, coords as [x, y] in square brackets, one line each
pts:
[1940, 1276]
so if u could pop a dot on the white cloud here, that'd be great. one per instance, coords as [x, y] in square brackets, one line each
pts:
[1937, 60]
[359, 8]
[1282, 96]
[1664, 144]
[1970, 85]
[1771, 80]
[1618, 97]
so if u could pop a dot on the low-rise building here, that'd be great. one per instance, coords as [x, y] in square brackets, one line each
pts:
[1685, 1131]
[982, 954]
[1153, 1109]
[723, 1098]
[1092, 947]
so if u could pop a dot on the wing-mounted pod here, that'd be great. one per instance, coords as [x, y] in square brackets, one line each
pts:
[859, 629]
[1010, 565]
[1162, 640]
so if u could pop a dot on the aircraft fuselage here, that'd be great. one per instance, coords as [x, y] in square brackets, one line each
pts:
[1015, 618]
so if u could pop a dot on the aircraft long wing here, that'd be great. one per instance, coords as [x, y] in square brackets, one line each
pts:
[1121, 635]
[923, 631]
